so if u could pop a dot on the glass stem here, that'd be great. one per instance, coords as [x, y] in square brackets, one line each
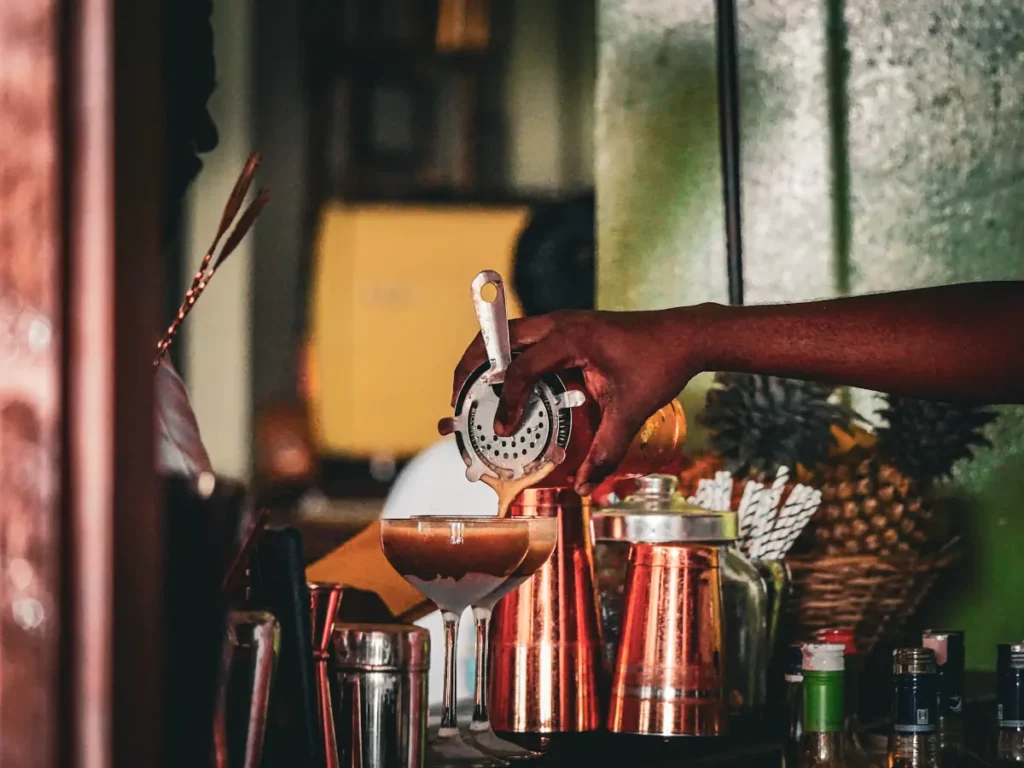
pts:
[449, 715]
[481, 720]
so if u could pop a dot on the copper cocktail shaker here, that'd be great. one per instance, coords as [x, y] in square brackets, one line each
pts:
[545, 642]
[669, 677]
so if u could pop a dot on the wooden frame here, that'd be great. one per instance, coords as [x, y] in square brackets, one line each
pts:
[79, 271]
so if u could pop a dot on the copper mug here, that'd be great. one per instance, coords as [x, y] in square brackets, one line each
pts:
[545, 641]
[668, 678]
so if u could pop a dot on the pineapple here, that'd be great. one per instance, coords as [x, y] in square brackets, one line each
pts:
[874, 488]
[875, 499]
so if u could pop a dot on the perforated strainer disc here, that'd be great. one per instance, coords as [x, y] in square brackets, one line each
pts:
[542, 436]
[547, 419]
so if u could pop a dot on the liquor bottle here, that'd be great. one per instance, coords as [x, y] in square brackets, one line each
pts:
[1010, 705]
[822, 742]
[794, 678]
[914, 742]
[856, 755]
[948, 646]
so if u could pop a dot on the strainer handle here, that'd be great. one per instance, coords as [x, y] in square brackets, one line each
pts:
[493, 324]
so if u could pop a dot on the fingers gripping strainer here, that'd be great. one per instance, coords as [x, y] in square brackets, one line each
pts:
[547, 418]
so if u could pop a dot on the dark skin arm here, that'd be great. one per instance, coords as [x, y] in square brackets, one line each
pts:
[961, 343]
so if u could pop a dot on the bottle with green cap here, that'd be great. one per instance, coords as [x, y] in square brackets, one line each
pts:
[824, 717]
[948, 645]
[794, 678]
[1010, 705]
[914, 742]
[856, 755]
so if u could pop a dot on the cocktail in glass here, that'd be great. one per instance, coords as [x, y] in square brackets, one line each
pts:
[455, 561]
[543, 537]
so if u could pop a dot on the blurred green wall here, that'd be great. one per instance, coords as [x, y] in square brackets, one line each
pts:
[883, 148]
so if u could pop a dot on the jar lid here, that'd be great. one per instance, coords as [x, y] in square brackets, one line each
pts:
[658, 514]
[381, 647]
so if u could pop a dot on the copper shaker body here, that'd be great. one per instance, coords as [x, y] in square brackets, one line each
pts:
[668, 677]
[657, 445]
[545, 641]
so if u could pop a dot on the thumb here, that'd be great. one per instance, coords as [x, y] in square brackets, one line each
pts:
[523, 373]
[611, 440]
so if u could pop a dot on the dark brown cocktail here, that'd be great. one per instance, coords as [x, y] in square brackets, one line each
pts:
[455, 561]
[543, 537]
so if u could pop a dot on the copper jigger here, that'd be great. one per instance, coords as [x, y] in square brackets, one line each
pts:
[668, 673]
[324, 601]
[545, 642]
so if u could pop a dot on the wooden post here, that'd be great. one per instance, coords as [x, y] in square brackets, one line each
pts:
[80, 534]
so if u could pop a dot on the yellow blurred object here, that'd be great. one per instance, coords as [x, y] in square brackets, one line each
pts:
[391, 316]
[360, 563]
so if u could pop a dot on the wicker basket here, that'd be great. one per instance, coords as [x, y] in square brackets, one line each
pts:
[873, 595]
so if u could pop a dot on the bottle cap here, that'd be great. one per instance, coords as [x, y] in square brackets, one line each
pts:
[948, 645]
[1009, 656]
[844, 636]
[823, 657]
[794, 662]
[913, 661]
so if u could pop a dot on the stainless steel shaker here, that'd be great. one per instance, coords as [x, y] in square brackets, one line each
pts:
[243, 695]
[379, 694]
[324, 602]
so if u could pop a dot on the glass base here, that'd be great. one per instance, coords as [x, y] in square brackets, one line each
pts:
[447, 749]
[485, 739]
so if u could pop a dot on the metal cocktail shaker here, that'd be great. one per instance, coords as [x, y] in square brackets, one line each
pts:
[243, 696]
[669, 674]
[545, 641]
[379, 694]
[324, 602]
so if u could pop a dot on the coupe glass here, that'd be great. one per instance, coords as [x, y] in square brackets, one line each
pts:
[455, 561]
[543, 533]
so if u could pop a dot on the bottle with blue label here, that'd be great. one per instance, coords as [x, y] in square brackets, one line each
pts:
[914, 742]
[1010, 705]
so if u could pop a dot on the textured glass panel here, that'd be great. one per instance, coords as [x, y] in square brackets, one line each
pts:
[658, 167]
[937, 190]
[934, 191]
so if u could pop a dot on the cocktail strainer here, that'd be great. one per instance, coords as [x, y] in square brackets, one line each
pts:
[547, 418]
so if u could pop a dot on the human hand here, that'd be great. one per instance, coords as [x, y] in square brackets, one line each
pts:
[632, 364]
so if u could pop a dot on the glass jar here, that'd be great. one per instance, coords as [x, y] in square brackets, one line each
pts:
[657, 513]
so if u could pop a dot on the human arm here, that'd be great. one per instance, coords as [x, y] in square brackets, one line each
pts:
[959, 342]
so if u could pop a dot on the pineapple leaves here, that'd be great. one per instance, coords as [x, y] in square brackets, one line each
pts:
[759, 423]
[925, 439]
